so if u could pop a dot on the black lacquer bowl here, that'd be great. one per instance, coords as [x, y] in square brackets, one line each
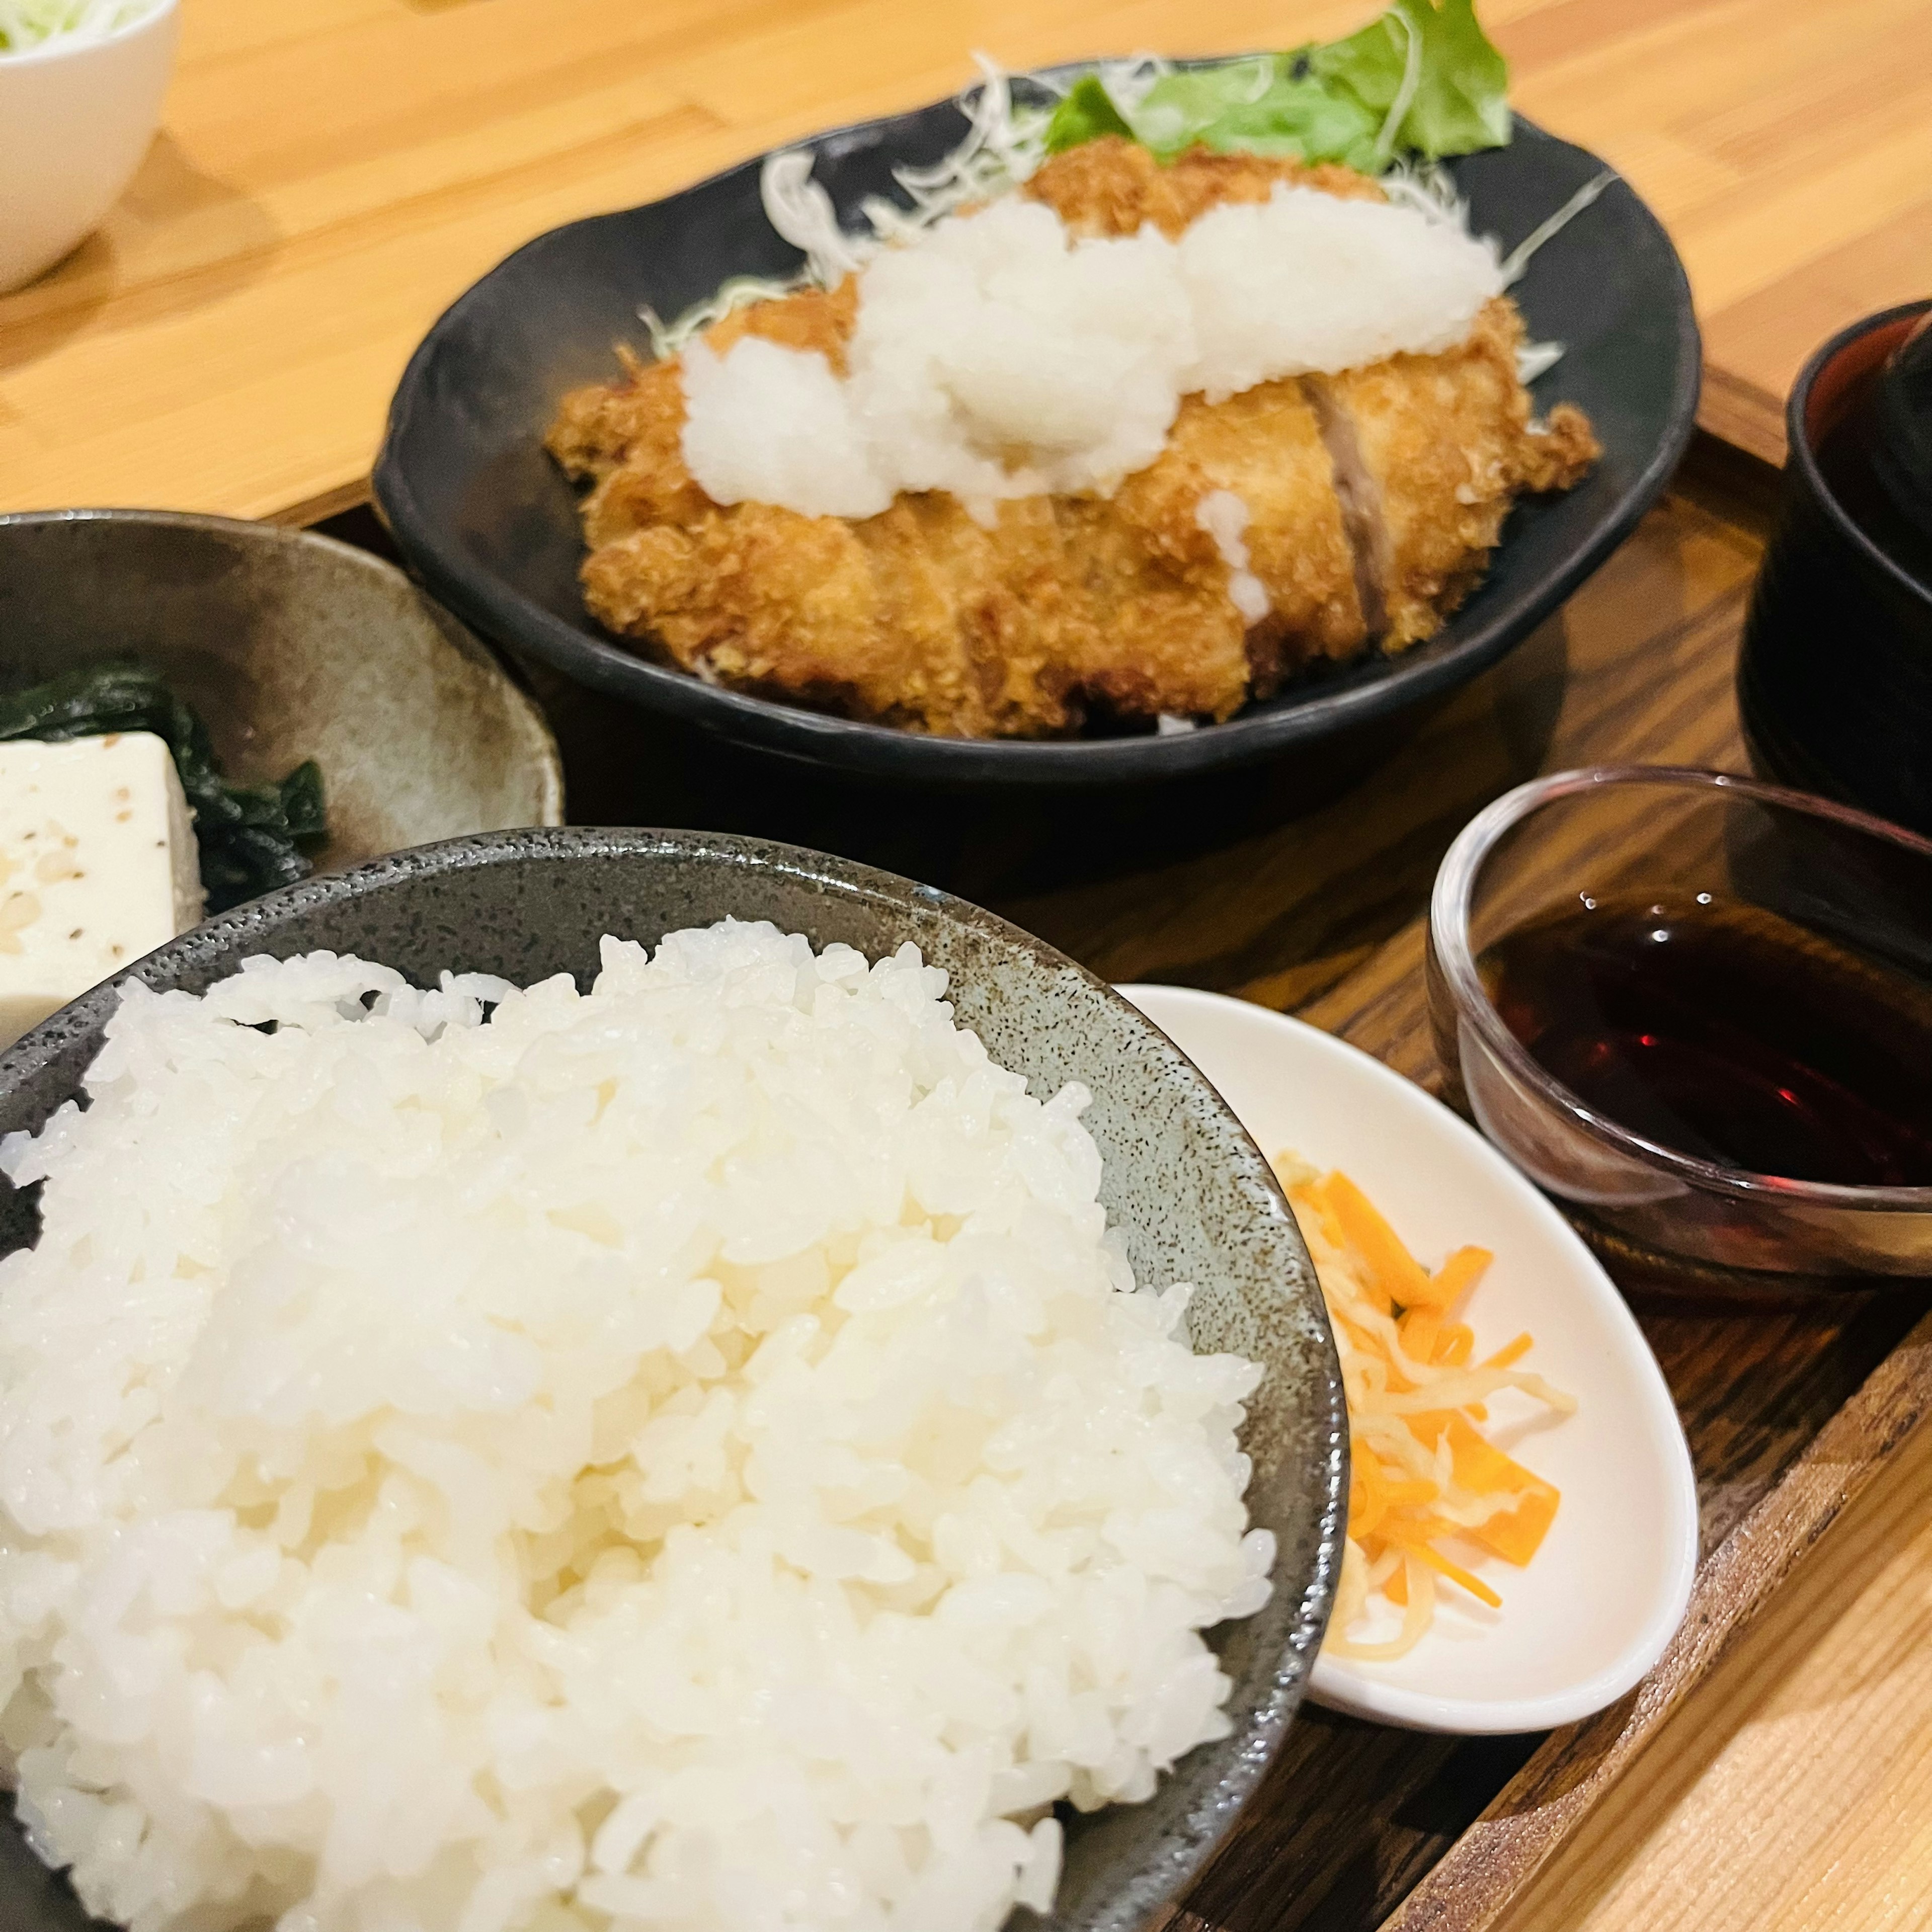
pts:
[490, 523]
[1192, 1196]
[1834, 682]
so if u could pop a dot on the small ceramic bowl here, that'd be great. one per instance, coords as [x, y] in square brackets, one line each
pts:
[1862, 885]
[292, 647]
[76, 118]
[1192, 1198]
[1834, 682]
[1593, 1612]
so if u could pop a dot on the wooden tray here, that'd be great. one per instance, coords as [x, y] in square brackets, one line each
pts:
[1790, 1405]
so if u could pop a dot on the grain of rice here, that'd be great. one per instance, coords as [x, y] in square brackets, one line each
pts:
[485, 1459]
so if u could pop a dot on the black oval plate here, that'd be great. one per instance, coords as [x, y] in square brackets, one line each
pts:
[491, 524]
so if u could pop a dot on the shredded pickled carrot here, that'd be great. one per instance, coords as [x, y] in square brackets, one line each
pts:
[1511, 1352]
[1423, 1479]
[1457, 1276]
[1393, 1274]
[1455, 1574]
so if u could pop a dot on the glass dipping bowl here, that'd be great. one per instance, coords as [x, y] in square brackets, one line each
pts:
[1851, 878]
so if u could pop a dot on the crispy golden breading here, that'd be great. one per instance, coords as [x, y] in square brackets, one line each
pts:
[1374, 499]
[1265, 445]
[1115, 186]
[1442, 445]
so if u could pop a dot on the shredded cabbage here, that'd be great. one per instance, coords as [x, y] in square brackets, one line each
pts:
[30, 23]
[1006, 141]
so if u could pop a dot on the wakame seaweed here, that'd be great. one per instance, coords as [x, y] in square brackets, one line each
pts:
[252, 838]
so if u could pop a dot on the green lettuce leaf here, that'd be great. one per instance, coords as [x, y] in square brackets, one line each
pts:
[1086, 113]
[1460, 102]
[1181, 107]
[1302, 117]
[1425, 63]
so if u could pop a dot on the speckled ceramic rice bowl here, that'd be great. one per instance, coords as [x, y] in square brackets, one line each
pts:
[1185, 1193]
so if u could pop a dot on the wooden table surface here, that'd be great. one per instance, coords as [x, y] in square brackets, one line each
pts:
[333, 172]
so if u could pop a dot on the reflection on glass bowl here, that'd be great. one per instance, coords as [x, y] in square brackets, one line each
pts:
[1699, 1009]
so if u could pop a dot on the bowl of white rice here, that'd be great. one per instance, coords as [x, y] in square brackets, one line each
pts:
[580, 1380]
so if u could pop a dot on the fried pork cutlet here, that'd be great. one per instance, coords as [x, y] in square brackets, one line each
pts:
[1116, 186]
[1429, 451]
[1374, 499]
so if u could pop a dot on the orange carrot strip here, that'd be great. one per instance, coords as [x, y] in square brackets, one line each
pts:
[1410, 1530]
[1456, 1574]
[1516, 1535]
[1482, 1469]
[1453, 1278]
[1406, 1494]
[1392, 1514]
[1419, 1329]
[1398, 1275]
[1367, 1511]
[1479, 1466]
[1427, 1427]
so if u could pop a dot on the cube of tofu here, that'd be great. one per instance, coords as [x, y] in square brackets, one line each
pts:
[97, 865]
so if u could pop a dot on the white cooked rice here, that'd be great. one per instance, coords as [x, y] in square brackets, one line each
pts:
[996, 356]
[681, 1456]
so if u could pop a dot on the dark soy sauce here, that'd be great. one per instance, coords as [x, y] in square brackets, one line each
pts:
[1725, 1032]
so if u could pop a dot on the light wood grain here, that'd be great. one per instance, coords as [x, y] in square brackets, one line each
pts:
[1793, 1791]
[333, 172]
[1645, 1785]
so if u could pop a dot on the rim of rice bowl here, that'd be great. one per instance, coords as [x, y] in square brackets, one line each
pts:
[678, 1453]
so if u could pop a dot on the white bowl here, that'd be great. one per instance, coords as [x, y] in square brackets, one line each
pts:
[1594, 1611]
[75, 118]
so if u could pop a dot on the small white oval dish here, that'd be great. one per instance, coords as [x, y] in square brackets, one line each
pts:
[1588, 1618]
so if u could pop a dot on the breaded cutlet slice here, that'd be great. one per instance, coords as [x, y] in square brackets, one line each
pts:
[923, 616]
[1429, 453]
[1111, 186]
[1265, 446]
